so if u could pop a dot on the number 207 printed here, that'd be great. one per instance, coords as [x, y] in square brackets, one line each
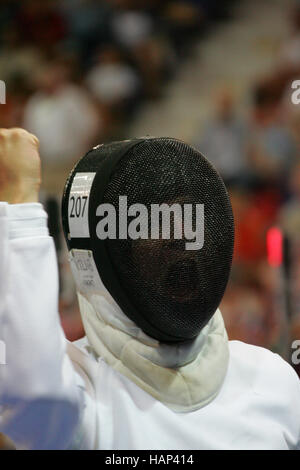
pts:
[78, 206]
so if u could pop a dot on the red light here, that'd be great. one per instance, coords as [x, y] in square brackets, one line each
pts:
[274, 246]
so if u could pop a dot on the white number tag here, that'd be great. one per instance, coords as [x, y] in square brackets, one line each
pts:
[85, 272]
[78, 208]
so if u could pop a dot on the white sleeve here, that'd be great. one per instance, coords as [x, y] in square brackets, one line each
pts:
[40, 393]
[284, 397]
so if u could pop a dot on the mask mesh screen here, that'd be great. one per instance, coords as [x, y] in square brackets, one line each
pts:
[177, 290]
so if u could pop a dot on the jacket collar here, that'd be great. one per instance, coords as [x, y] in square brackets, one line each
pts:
[184, 377]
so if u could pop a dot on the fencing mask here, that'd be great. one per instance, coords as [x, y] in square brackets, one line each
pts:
[152, 218]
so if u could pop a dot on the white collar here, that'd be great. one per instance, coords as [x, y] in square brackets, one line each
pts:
[184, 377]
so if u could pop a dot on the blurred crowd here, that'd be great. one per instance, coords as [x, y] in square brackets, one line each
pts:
[76, 73]
[258, 154]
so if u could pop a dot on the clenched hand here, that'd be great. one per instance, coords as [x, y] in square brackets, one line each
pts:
[20, 166]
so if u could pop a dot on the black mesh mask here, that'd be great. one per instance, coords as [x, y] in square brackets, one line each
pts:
[170, 292]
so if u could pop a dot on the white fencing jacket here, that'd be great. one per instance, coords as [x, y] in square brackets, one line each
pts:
[117, 388]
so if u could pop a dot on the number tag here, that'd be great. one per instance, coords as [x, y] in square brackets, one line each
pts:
[78, 208]
[85, 272]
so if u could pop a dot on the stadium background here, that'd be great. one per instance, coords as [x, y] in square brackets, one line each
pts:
[217, 74]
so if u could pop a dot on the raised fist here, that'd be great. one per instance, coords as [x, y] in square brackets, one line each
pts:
[20, 166]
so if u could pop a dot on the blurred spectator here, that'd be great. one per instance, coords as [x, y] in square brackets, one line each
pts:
[273, 149]
[112, 81]
[135, 31]
[184, 19]
[41, 23]
[289, 220]
[89, 25]
[289, 215]
[290, 51]
[9, 12]
[254, 211]
[131, 27]
[293, 116]
[248, 314]
[224, 140]
[63, 117]
[16, 57]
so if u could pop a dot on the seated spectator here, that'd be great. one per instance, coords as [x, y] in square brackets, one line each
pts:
[290, 50]
[16, 57]
[224, 140]
[272, 147]
[183, 19]
[41, 23]
[112, 81]
[289, 215]
[63, 117]
[134, 30]
[88, 24]
[132, 27]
